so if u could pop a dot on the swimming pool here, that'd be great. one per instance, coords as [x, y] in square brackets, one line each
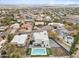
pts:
[38, 51]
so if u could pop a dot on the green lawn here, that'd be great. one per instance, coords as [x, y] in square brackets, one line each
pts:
[28, 52]
[49, 51]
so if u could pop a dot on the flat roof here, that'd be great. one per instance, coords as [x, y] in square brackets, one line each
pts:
[56, 24]
[41, 35]
[19, 39]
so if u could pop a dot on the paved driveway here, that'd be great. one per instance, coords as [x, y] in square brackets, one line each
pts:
[53, 43]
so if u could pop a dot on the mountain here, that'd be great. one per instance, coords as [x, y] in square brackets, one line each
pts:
[41, 5]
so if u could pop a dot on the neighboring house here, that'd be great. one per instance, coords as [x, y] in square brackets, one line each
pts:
[17, 16]
[20, 40]
[65, 35]
[27, 26]
[47, 18]
[3, 28]
[42, 20]
[69, 39]
[63, 32]
[39, 18]
[39, 23]
[58, 25]
[14, 28]
[20, 20]
[28, 18]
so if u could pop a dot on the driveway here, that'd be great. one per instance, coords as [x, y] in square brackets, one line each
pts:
[53, 43]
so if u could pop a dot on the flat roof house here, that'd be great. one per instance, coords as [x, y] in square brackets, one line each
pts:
[41, 38]
[20, 40]
[14, 28]
[63, 33]
[58, 25]
[39, 23]
[69, 39]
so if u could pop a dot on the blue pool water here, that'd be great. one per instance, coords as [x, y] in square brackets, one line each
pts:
[38, 51]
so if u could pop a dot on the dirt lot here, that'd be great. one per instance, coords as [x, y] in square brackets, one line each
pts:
[59, 52]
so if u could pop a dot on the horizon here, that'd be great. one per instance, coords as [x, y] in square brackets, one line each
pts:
[38, 2]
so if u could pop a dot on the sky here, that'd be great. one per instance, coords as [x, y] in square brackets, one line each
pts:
[49, 2]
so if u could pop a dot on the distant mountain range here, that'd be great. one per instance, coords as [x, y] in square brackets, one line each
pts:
[43, 5]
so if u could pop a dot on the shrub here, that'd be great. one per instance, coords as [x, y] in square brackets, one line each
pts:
[73, 47]
[49, 52]
[28, 52]
[10, 37]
